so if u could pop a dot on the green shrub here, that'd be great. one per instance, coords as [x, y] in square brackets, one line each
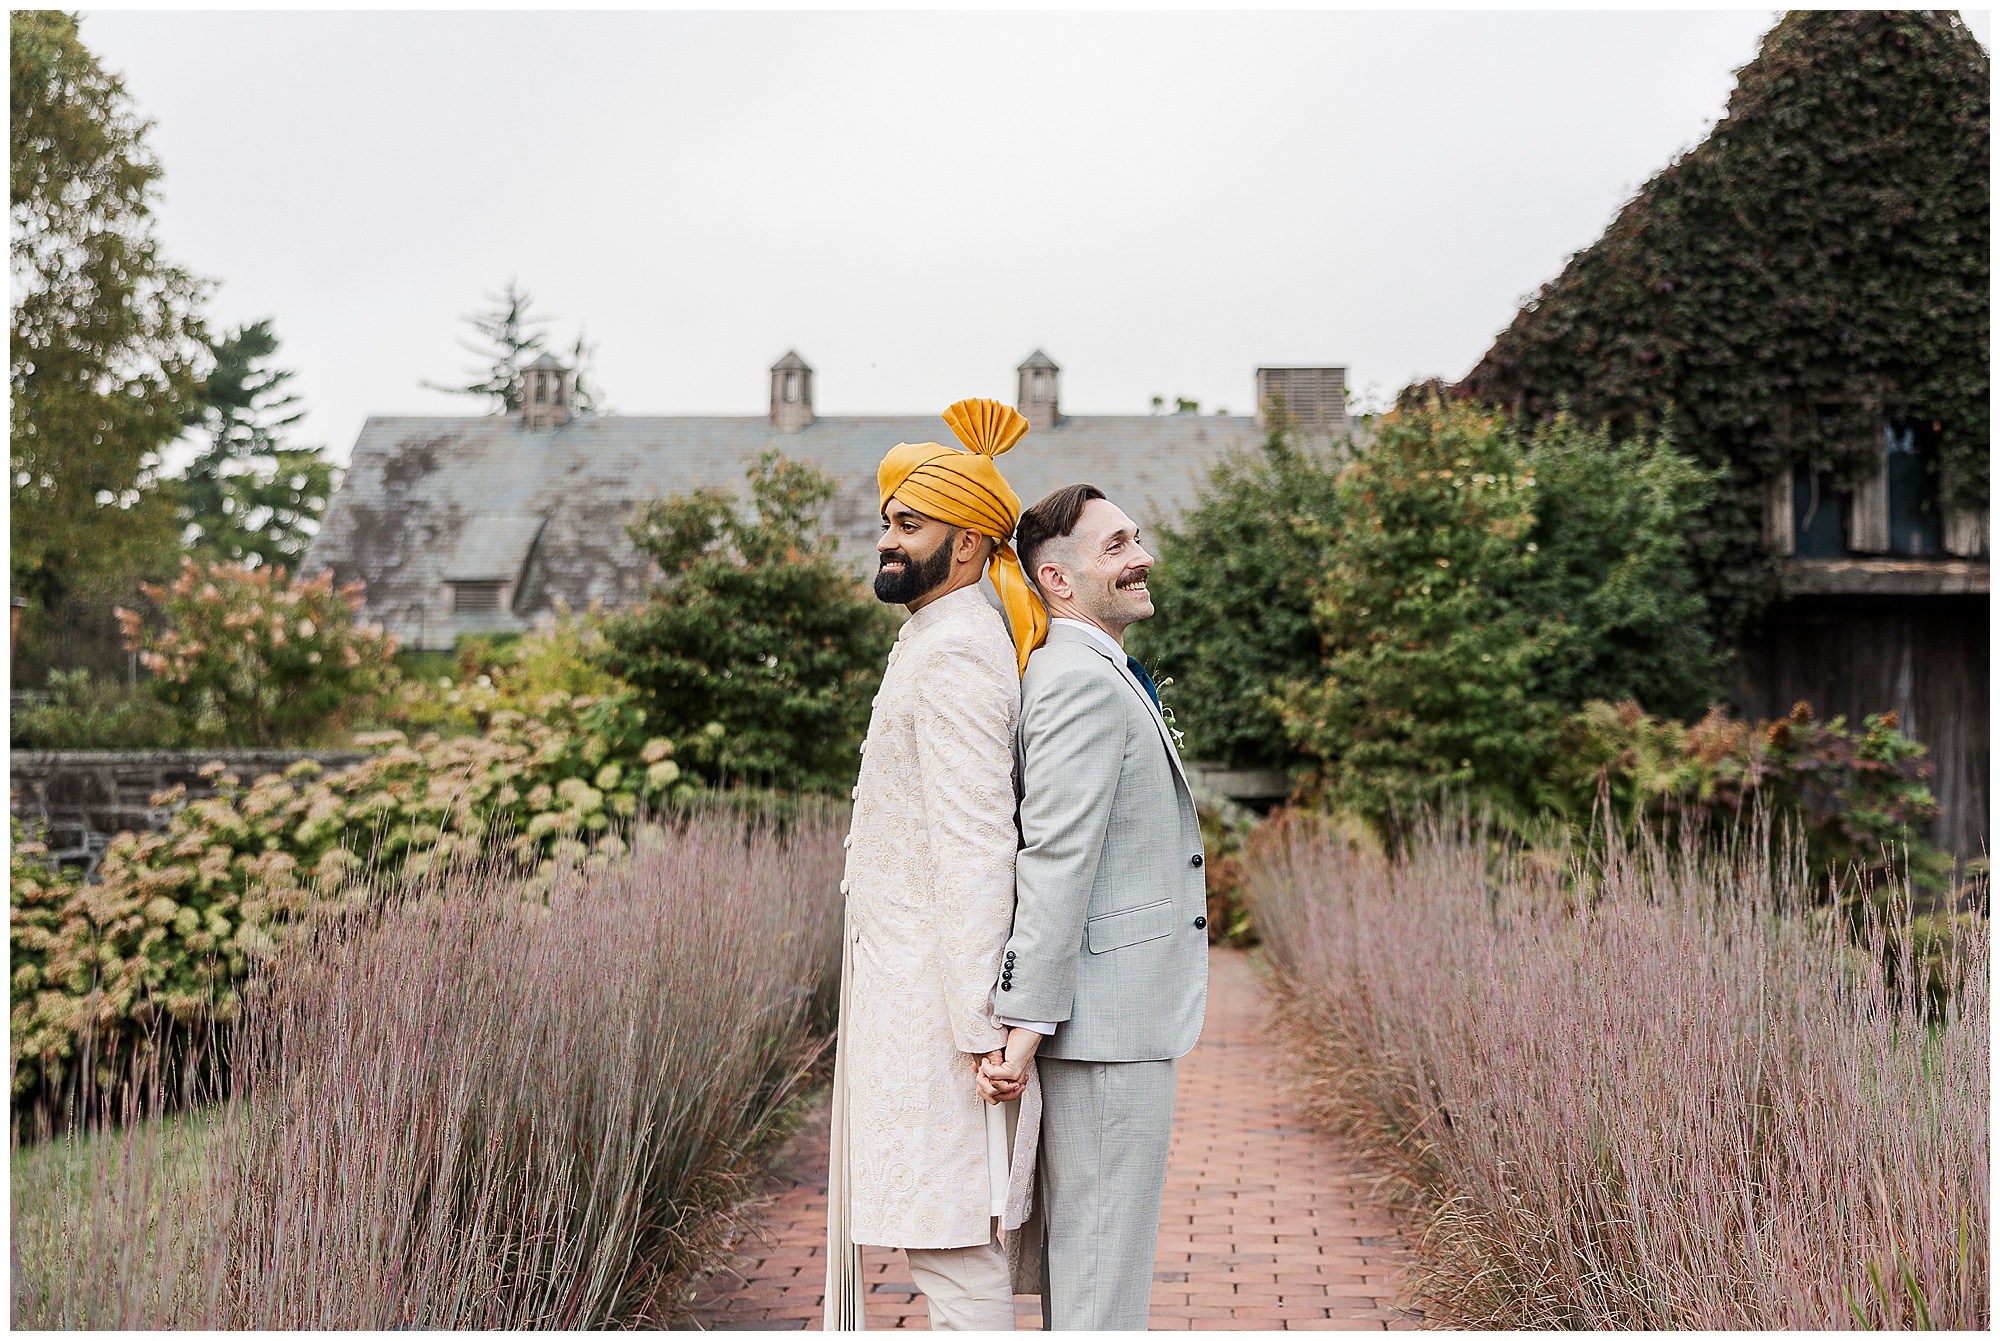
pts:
[1861, 799]
[252, 656]
[457, 692]
[1234, 593]
[757, 650]
[79, 712]
[1474, 587]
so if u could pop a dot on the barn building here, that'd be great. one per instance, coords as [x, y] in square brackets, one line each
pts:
[483, 524]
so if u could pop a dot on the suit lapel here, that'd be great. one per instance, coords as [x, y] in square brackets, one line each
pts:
[1145, 700]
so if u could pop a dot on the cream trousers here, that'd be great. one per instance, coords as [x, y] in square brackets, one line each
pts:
[966, 1289]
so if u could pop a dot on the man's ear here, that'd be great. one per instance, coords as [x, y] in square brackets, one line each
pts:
[1052, 581]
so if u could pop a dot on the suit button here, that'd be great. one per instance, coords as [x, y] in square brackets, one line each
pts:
[1006, 986]
[1200, 922]
[1195, 860]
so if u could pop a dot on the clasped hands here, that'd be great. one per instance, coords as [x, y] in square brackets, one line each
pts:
[1003, 1072]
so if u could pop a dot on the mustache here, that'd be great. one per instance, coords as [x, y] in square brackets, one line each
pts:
[1135, 579]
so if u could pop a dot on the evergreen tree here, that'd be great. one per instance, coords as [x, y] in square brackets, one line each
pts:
[589, 395]
[106, 338]
[247, 497]
[509, 338]
[1817, 266]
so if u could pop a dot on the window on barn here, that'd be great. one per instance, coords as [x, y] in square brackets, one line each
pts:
[1916, 524]
[1818, 514]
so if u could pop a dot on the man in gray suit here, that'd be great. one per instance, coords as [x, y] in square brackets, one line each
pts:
[1109, 951]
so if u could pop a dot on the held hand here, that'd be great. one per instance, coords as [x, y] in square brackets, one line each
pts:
[1004, 1076]
[991, 1092]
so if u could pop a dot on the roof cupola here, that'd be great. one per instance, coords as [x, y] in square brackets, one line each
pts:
[1037, 397]
[548, 393]
[791, 393]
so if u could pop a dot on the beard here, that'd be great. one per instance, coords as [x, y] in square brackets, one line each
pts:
[919, 576]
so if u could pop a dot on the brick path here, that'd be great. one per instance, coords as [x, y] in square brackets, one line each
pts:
[1265, 1224]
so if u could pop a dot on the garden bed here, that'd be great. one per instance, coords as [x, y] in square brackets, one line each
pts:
[1649, 1090]
[468, 1104]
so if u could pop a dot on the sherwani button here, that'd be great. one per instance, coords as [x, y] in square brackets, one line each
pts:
[1200, 922]
[854, 793]
[843, 886]
[1006, 986]
[1195, 860]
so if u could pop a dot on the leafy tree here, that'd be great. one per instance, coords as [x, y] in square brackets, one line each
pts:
[1816, 266]
[1234, 593]
[106, 338]
[1475, 586]
[1430, 662]
[509, 339]
[758, 652]
[248, 498]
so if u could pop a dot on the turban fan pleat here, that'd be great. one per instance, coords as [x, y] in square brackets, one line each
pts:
[965, 488]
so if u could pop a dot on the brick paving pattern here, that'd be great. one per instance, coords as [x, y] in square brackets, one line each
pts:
[1266, 1225]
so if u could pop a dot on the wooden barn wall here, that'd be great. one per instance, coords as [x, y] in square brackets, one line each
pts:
[1925, 657]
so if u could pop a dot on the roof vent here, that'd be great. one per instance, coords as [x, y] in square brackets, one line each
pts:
[548, 393]
[1315, 398]
[1037, 399]
[791, 393]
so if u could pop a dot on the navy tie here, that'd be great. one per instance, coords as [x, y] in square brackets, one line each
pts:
[1145, 680]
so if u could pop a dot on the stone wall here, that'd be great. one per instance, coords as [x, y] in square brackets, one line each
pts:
[76, 800]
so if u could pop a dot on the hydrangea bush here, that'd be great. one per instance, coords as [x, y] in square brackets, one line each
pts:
[178, 915]
[254, 656]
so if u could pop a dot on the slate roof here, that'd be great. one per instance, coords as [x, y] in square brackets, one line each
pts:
[428, 500]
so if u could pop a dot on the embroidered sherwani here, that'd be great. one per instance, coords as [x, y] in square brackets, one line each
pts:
[930, 900]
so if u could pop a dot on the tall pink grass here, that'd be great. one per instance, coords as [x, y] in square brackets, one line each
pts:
[469, 1108]
[1652, 1090]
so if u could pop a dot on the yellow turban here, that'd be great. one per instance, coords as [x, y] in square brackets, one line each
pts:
[964, 488]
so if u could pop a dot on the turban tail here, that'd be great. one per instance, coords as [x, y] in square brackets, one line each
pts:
[965, 488]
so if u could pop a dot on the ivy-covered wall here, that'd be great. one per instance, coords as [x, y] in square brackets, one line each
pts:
[1816, 267]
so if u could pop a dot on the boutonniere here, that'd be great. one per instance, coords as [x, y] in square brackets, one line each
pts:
[1167, 715]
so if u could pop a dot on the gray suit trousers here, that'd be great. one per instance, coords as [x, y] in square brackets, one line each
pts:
[1103, 1161]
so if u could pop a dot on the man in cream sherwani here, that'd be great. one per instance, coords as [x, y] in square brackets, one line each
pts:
[920, 1161]
[1109, 935]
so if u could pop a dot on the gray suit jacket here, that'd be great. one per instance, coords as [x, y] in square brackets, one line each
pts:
[1108, 882]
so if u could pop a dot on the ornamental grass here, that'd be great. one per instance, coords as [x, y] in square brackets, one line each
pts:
[1654, 1088]
[464, 1107]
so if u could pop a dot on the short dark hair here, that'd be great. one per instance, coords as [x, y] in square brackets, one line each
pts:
[1051, 519]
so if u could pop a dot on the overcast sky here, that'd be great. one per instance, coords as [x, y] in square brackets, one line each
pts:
[1163, 202]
